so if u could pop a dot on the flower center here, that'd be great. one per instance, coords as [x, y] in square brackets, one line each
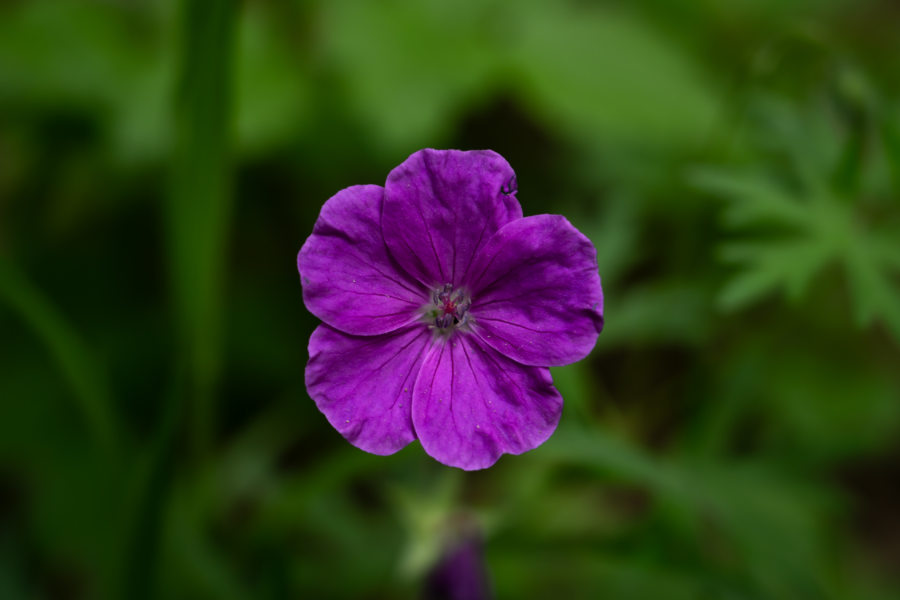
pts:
[449, 308]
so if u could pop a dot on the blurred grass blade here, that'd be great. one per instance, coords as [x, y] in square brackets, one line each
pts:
[80, 368]
[198, 207]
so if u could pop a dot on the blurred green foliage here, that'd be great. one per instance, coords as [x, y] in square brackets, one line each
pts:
[737, 164]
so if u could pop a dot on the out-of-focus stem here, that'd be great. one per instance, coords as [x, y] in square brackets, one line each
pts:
[198, 206]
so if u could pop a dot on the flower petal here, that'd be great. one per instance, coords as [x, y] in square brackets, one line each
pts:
[349, 279]
[536, 294]
[472, 404]
[364, 384]
[442, 206]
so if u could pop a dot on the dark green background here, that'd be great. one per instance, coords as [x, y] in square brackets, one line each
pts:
[734, 434]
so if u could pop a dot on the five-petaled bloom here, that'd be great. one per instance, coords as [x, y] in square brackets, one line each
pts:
[443, 308]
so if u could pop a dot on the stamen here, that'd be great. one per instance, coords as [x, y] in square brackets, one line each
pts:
[449, 308]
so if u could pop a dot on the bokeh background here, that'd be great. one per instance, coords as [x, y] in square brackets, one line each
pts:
[734, 434]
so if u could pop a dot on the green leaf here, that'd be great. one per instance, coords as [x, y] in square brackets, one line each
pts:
[797, 218]
[742, 503]
[752, 199]
[85, 55]
[614, 233]
[409, 67]
[273, 86]
[658, 313]
[601, 73]
[875, 292]
[771, 265]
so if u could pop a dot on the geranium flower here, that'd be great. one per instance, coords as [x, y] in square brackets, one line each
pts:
[443, 309]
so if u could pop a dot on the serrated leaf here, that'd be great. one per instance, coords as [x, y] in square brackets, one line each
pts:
[874, 293]
[807, 138]
[806, 198]
[789, 265]
[752, 199]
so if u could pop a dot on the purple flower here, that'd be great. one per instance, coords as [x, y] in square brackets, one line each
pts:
[461, 573]
[443, 308]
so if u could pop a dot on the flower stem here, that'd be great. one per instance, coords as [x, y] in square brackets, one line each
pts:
[198, 209]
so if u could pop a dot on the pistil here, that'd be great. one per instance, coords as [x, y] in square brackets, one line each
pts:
[449, 308]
